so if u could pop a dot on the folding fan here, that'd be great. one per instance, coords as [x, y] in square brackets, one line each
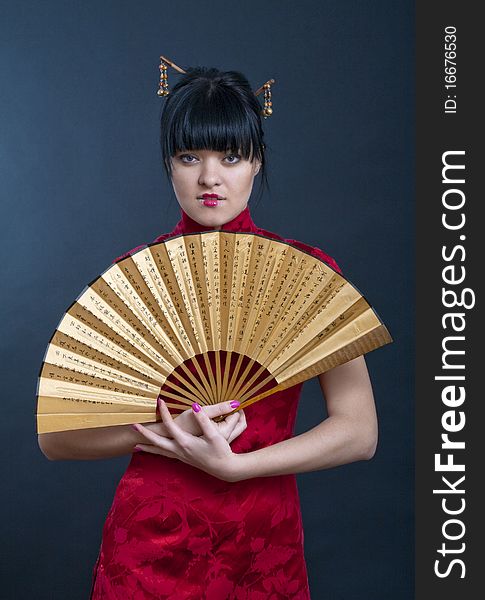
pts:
[204, 318]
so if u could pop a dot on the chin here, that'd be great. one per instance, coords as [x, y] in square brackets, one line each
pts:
[214, 217]
[215, 223]
[214, 220]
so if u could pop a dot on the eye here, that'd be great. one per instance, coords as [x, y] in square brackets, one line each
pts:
[236, 158]
[185, 158]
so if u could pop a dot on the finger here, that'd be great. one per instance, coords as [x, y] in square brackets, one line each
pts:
[155, 439]
[226, 426]
[240, 427]
[232, 422]
[160, 402]
[209, 428]
[158, 410]
[221, 408]
[173, 429]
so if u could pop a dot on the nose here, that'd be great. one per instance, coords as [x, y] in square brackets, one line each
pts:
[210, 175]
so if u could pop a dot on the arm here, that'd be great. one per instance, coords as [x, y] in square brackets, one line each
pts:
[117, 440]
[89, 444]
[348, 434]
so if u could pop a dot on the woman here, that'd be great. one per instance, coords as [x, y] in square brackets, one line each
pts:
[205, 509]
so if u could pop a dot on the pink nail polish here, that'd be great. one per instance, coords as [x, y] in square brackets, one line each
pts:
[195, 407]
[136, 449]
[235, 403]
[134, 427]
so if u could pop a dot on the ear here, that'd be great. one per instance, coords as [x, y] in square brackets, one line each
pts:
[257, 167]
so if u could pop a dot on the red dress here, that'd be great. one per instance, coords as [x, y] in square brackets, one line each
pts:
[175, 532]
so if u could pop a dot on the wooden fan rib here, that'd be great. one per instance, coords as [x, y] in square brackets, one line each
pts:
[47, 423]
[265, 304]
[167, 305]
[182, 272]
[83, 326]
[56, 356]
[189, 395]
[234, 279]
[162, 328]
[212, 381]
[225, 379]
[245, 284]
[174, 325]
[244, 397]
[117, 317]
[199, 252]
[65, 378]
[79, 393]
[218, 376]
[124, 282]
[58, 405]
[65, 344]
[234, 376]
[290, 309]
[251, 400]
[340, 350]
[113, 295]
[248, 387]
[375, 339]
[202, 391]
[212, 278]
[263, 262]
[194, 390]
[186, 399]
[303, 314]
[206, 388]
[226, 244]
[165, 260]
[184, 280]
[328, 324]
[272, 306]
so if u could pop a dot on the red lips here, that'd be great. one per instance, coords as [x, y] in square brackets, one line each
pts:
[211, 196]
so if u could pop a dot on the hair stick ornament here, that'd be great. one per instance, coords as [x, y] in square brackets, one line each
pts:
[267, 110]
[163, 85]
[164, 91]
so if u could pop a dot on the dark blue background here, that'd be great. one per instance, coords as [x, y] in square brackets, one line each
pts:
[82, 182]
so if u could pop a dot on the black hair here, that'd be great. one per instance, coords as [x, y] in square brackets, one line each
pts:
[209, 109]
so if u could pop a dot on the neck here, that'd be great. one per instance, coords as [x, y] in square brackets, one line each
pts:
[241, 222]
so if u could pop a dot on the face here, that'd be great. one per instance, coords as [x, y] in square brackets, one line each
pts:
[198, 172]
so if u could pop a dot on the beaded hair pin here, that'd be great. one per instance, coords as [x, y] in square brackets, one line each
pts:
[163, 90]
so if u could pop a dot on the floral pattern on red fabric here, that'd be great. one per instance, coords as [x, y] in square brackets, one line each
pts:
[175, 532]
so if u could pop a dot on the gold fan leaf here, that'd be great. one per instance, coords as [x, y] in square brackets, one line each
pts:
[204, 318]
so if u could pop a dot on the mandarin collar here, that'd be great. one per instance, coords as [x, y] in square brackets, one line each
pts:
[242, 222]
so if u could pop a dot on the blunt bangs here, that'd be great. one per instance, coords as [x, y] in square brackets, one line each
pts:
[212, 110]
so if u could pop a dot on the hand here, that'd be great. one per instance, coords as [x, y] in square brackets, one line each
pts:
[209, 452]
[230, 427]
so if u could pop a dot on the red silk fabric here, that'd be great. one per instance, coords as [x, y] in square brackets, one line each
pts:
[175, 532]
